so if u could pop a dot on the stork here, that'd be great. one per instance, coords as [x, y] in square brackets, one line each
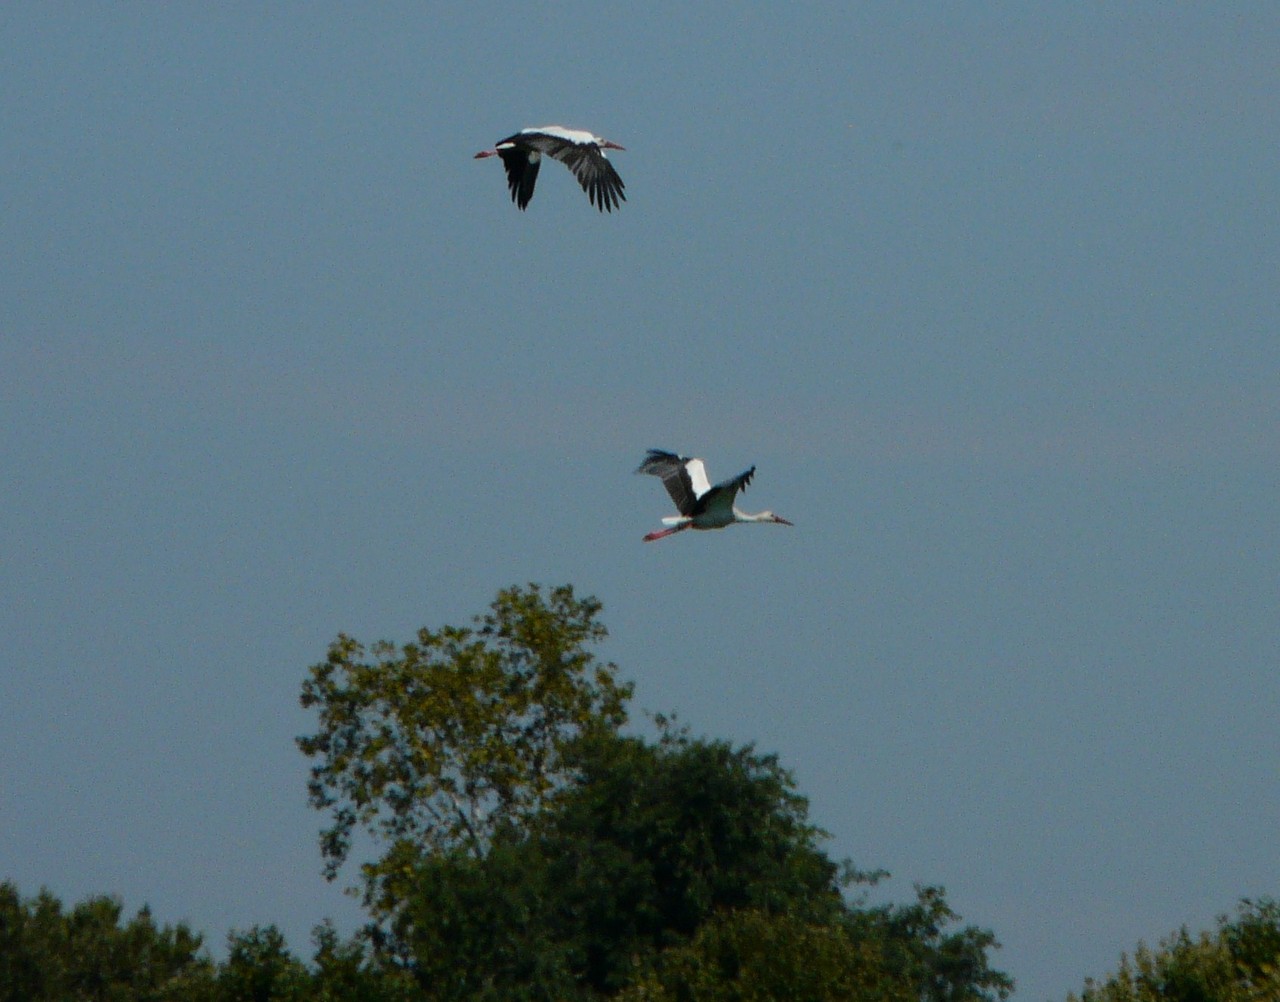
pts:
[701, 506]
[580, 151]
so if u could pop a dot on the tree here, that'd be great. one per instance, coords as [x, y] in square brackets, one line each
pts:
[755, 956]
[1238, 963]
[489, 929]
[528, 851]
[433, 745]
[648, 843]
[654, 839]
[90, 954]
[669, 865]
[345, 972]
[260, 968]
[944, 964]
[1253, 941]
[48, 953]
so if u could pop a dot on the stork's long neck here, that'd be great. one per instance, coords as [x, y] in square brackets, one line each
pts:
[745, 516]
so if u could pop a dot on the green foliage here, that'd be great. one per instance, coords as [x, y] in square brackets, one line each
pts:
[345, 973]
[260, 968]
[488, 928]
[47, 953]
[1238, 963]
[755, 956]
[646, 845]
[653, 839]
[943, 965]
[1253, 940]
[531, 852]
[434, 745]
[88, 954]
[631, 858]
[671, 867]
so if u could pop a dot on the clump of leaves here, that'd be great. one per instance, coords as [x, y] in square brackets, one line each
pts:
[432, 745]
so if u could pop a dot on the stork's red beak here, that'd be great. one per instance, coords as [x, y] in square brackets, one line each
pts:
[782, 521]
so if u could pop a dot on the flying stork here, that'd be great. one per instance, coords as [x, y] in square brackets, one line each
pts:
[580, 151]
[701, 506]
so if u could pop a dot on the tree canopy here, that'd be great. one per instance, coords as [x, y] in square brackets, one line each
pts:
[530, 850]
[1239, 962]
[51, 953]
[647, 844]
[92, 953]
[754, 956]
[434, 744]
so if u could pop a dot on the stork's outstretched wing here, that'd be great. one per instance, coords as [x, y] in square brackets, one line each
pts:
[522, 173]
[685, 479]
[722, 495]
[594, 172]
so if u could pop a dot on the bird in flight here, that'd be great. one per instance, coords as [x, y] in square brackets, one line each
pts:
[701, 506]
[580, 151]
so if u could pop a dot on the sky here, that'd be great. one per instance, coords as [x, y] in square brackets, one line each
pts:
[989, 294]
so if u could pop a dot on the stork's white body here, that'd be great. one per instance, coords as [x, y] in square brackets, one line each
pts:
[582, 152]
[701, 505]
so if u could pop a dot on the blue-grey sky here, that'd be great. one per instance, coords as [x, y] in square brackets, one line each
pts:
[990, 294]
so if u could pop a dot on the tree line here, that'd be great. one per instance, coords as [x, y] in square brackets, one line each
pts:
[525, 847]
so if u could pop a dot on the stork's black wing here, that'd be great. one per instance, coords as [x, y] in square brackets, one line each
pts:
[676, 477]
[594, 172]
[522, 172]
[722, 495]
